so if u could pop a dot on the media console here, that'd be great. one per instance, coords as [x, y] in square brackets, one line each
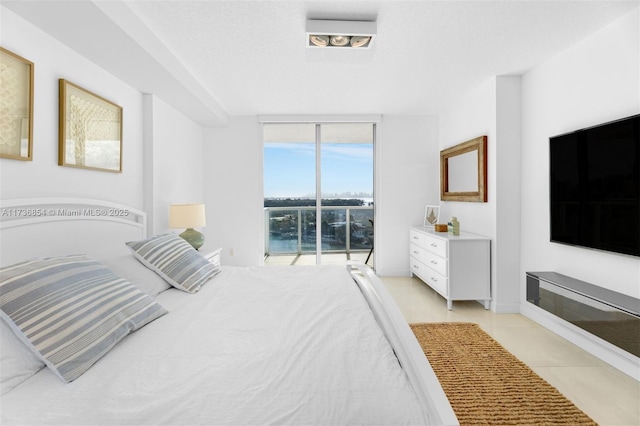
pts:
[611, 316]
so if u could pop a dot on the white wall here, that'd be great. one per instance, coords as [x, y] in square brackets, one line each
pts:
[43, 176]
[506, 253]
[407, 179]
[595, 81]
[174, 144]
[233, 191]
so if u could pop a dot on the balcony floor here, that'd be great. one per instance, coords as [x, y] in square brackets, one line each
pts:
[310, 259]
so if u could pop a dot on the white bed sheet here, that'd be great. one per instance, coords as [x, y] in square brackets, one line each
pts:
[256, 346]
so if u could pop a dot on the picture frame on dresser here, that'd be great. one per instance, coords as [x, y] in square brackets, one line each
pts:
[16, 97]
[90, 130]
[431, 215]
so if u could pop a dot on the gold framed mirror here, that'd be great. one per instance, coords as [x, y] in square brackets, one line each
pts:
[463, 171]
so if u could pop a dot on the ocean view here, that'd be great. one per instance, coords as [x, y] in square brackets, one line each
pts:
[346, 226]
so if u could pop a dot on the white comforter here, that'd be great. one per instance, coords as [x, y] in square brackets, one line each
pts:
[256, 346]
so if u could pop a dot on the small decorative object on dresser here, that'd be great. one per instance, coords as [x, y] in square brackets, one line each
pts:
[431, 215]
[441, 227]
[457, 267]
[455, 226]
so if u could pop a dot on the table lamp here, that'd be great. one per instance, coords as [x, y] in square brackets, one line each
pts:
[188, 216]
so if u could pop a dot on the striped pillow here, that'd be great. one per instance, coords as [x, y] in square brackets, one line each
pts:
[71, 310]
[175, 260]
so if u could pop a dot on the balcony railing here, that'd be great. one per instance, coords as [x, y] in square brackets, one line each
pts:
[292, 230]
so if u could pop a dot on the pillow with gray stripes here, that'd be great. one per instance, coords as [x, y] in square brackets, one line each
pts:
[175, 260]
[71, 310]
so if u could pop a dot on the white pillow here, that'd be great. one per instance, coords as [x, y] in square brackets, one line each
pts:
[129, 268]
[17, 362]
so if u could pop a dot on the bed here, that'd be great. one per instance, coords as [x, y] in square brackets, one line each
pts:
[227, 345]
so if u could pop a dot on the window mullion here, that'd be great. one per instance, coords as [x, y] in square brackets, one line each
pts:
[318, 197]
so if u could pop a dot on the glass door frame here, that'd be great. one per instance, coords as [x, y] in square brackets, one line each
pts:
[317, 121]
[318, 194]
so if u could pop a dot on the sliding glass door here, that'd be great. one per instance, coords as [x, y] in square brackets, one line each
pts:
[290, 189]
[318, 174]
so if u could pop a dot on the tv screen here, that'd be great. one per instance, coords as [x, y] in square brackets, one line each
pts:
[595, 187]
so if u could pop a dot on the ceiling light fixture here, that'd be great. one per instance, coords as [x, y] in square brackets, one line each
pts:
[340, 34]
[339, 40]
[319, 40]
[359, 41]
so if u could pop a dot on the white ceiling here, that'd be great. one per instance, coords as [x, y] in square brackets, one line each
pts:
[211, 59]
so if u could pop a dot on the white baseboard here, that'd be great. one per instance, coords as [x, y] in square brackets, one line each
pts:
[611, 354]
[505, 308]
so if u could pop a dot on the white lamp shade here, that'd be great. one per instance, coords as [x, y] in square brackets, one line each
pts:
[187, 216]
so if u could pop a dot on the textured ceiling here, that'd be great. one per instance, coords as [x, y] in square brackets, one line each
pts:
[252, 53]
[249, 57]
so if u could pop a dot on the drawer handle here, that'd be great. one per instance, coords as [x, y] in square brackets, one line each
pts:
[416, 252]
[434, 279]
[434, 262]
[416, 266]
[415, 238]
[433, 245]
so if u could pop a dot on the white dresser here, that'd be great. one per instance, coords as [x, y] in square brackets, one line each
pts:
[457, 267]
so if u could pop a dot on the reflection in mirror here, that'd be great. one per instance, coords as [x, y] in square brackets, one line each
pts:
[463, 171]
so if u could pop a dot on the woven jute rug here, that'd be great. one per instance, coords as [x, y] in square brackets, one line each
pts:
[486, 384]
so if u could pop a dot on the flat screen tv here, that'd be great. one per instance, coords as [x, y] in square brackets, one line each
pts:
[595, 187]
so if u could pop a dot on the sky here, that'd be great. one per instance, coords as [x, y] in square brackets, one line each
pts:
[289, 169]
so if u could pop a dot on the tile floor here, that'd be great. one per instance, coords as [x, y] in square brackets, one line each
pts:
[607, 395]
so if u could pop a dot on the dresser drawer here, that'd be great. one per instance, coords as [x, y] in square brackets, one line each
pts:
[435, 280]
[418, 252]
[433, 261]
[435, 245]
[438, 282]
[417, 238]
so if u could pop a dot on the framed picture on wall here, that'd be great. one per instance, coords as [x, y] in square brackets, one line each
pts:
[90, 130]
[431, 215]
[16, 106]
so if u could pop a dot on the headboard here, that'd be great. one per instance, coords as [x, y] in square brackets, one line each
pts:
[34, 227]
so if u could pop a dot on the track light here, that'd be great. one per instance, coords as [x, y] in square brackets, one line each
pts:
[319, 40]
[340, 34]
[360, 41]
